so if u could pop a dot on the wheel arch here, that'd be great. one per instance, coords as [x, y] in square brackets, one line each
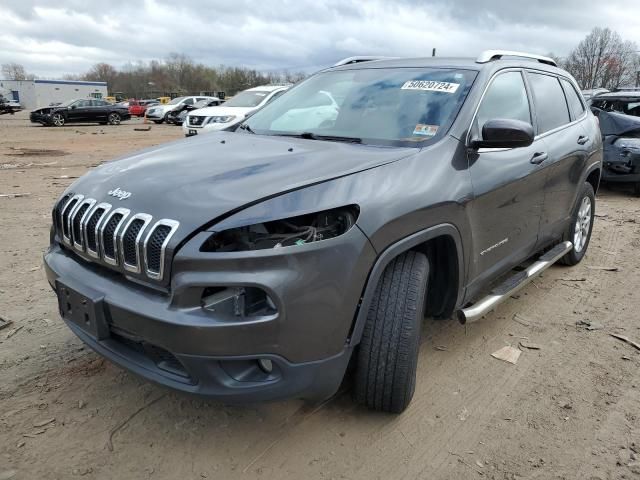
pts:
[443, 246]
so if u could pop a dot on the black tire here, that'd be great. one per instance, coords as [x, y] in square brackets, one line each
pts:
[636, 189]
[577, 254]
[385, 376]
[158, 121]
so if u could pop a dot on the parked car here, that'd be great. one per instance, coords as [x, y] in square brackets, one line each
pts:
[8, 106]
[621, 139]
[233, 111]
[589, 94]
[622, 101]
[80, 111]
[158, 113]
[178, 115]
[258, 264]
[137, 108]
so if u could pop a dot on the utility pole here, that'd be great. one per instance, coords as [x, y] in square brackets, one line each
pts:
[638, 79]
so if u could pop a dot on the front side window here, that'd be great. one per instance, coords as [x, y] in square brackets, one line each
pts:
[387, 106]
[506, 98]
[575, 104]
[551, 106]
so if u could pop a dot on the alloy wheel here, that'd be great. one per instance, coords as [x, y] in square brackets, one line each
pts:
[582, 226]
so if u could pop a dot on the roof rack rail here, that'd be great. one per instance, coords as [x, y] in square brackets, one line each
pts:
[359, 59]
[490, 55]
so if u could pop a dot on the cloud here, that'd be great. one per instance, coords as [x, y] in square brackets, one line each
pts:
[71, 35]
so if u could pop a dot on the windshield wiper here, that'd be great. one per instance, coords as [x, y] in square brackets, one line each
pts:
[330, 138]
[246, 128]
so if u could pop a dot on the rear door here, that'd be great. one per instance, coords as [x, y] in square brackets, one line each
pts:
[508, 183]
[560, 114]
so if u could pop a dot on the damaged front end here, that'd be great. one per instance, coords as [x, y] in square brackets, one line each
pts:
[621, 143]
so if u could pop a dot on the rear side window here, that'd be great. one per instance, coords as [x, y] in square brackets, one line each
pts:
[506, 98]
[551, 106]
[575, 104]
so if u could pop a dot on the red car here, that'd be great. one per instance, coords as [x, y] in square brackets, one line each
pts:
[138, 107]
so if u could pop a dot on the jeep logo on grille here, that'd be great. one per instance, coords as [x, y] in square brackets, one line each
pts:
[120, 194]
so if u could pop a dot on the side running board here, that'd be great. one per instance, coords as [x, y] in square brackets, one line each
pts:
[513, 284]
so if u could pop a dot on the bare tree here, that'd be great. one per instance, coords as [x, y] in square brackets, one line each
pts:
[15, 71]
[101, 72]
[603, 59]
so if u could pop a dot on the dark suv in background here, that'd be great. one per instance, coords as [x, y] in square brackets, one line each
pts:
[258, 263]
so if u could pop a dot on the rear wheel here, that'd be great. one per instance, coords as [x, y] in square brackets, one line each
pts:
[387, 357]
[57, 119]
[579, 230]
[114, 118]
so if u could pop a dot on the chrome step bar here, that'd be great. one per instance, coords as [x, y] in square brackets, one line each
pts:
[513, 284]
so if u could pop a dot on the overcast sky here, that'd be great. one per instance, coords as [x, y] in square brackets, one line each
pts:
[51, 38]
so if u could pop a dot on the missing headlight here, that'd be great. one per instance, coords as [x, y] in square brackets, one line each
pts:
[288, 232]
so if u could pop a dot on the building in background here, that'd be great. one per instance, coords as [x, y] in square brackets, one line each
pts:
[42, 93]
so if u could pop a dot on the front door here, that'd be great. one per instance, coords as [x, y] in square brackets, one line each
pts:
[508, 185]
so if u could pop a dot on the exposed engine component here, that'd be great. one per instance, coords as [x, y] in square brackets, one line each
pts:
[284, 233]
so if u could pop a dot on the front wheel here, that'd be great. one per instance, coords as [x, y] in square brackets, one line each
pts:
[387, 358]
[114, 119]
[57, 119]
[579, 230]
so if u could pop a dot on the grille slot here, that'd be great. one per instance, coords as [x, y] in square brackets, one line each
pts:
[76, 225]
[107, 237]
[196, 120]
[67, 211]
[155, 246]
[129, 245]
[57, 212]
[129, 241]
[91, 228]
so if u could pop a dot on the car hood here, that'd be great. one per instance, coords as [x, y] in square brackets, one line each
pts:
[47, 110]
[201, 180]
[222, 111]
[612, 123]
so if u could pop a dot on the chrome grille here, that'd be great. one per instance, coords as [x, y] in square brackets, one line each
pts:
[114, 236]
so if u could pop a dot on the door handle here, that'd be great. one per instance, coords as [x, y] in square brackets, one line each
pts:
[582, 139]
[539, 157]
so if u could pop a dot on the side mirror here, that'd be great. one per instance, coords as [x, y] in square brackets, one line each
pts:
[73, 107]
[505, 133]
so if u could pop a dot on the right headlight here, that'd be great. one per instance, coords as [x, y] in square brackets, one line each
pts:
[221, 119]
[299, 230]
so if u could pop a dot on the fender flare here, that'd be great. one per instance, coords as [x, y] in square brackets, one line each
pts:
[392, 252]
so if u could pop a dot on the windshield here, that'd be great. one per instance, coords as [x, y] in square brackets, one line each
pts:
[68, 103]
[247, 99]
[399, 106]
[176, 100]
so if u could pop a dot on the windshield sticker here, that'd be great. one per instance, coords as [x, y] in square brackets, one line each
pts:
[431, 86]
[425, 130]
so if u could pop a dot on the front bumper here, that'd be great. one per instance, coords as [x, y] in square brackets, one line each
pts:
[168, 339]
[209, 127]
[155, 115]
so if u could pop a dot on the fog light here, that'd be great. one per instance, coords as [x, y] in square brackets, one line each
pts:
[266, 365]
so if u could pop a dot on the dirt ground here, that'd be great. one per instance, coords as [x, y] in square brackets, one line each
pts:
[570, 410]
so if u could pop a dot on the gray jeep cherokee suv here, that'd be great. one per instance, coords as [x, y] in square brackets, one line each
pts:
[259, 263]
